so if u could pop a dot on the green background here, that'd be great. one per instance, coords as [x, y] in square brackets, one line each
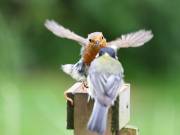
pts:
[32, 84]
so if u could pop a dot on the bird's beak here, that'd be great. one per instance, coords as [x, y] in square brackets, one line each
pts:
[97, 43]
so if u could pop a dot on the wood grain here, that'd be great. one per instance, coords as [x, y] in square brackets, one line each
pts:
[82, 112]
[129, 130]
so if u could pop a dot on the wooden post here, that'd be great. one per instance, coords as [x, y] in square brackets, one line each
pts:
[70, 113]
[78, 115]
[129, 130]
[82, 112]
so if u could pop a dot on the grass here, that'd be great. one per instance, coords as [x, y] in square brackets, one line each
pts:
[34, 104]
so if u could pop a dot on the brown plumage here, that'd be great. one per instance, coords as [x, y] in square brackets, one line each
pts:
[91, 50]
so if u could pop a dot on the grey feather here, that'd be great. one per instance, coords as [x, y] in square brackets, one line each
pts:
[105, 87]
[97, 121]
[62, 32]
[134, 39]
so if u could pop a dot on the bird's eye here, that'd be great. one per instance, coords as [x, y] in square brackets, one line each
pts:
[90, 40]
[102, 37]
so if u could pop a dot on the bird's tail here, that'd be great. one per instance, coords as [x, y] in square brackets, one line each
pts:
[76, 71]
[98, 119]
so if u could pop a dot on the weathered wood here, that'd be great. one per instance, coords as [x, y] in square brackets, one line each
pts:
[76, 88]
[82, 112]
[124, 106]
[70, 113]
[115, 116]
[129, 130]
[118, 116]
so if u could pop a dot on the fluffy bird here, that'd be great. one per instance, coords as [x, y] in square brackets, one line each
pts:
[105, 78]
[92, 44]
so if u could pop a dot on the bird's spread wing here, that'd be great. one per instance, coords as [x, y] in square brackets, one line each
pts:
[134, 39]
[62, 32]
[105, 86]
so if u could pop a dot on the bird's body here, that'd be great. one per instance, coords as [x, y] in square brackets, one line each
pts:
[105, 77]
[92, 44]
[89, 54]
[104, 64]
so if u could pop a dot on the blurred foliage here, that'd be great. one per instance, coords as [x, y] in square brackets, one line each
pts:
[26, 43]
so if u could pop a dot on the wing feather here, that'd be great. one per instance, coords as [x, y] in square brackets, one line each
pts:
[104, 87]
[134, 39]
[62, 32]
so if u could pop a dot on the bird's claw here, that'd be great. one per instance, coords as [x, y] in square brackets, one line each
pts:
[84, 86]
[68, 98]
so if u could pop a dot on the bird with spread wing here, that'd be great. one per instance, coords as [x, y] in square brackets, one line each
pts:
[92, 44]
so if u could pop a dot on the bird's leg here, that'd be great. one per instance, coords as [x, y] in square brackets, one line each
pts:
[84, 85]
[68, 98]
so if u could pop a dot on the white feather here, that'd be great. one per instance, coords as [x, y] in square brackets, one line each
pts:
[134, 39]
[62, 32]
[68, 69]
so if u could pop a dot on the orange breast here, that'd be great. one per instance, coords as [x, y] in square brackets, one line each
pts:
[90, 53]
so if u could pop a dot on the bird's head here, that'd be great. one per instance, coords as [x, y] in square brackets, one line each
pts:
[108, 51]
[97, 39]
